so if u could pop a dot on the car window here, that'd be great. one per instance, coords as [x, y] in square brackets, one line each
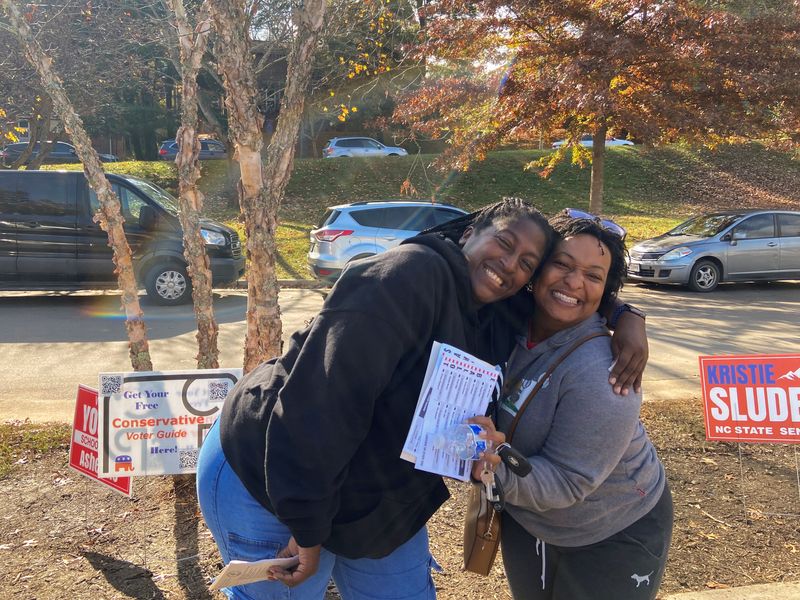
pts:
[371, 144]
[45, 196]
[348, 144]
[216, 147]
[789, 225]
[759, 226]
[130, 203]
[62, 148]
[409, 218]
[369, 217]
[204, 146]
[705, 226]
[329, 217]
[443, 215]
[8, 193]
[587, 137]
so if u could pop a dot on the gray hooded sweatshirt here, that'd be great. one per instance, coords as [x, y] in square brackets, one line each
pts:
[595, 471]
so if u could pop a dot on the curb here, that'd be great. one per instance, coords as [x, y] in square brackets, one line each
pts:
[301, 284]
[766, 591]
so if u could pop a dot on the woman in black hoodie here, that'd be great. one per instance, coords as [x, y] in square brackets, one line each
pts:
[305, 458]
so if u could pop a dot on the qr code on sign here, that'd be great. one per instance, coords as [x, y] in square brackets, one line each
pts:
[110, 384]
[217, 390]
[187, 459]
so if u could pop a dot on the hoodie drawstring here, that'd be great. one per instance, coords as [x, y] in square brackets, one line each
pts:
[540, 544]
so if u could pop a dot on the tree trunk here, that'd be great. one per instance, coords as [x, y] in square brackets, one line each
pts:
[109, 215]
[232, 50]
[192, 47]
[598, 163]
[45, 147]
[260, 205]
[38, 124]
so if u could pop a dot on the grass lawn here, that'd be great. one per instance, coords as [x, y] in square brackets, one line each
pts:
[647, 190]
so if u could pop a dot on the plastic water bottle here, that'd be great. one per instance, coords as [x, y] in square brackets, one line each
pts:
[461, 441]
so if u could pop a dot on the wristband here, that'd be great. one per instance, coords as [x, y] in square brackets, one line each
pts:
[621, 308]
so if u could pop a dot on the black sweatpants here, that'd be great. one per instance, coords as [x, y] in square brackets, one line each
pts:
[626, 566]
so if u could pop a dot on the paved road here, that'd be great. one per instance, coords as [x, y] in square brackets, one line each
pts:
[51, 342]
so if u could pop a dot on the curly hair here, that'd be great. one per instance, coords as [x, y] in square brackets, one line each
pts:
[508, 209]
[567, 226]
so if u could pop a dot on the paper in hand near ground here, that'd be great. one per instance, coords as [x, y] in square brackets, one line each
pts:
[457, 386]
[240, 572]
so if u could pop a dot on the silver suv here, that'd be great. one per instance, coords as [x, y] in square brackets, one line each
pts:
[351, 231]
[359, 146]
[726, 246]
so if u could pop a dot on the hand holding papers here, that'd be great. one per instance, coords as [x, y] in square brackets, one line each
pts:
[240, 572]
[457, 386]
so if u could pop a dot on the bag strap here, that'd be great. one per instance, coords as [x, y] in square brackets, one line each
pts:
[544, 378]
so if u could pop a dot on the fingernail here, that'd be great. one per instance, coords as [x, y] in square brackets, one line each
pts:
[612, 380]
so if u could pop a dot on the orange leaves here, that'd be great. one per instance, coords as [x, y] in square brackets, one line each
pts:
[408, 189]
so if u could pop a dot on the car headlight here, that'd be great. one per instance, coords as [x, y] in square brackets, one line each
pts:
[677, 253]
[213, 238]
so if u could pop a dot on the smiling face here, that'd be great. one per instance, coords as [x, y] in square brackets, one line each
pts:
[570, 286]
[502, 257]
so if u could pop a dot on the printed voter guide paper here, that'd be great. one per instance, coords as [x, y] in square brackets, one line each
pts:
[457, 386]
[154, 423]
[241, 572]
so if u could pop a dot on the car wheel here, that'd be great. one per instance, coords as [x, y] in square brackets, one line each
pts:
[168, 284]
[705, 276]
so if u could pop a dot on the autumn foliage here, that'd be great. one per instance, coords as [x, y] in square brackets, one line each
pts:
[651, 70]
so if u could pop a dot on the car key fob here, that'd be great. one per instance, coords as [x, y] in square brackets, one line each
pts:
[517, 463]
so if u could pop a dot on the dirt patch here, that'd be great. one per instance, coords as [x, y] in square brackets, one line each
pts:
[62, 536]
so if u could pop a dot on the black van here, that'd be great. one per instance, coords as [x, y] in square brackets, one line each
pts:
[48, 240]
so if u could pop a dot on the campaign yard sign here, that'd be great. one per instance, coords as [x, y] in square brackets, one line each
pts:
[154, 423]
[752, 398]
[83, 445]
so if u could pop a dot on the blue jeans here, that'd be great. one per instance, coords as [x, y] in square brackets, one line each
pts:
[245, 530]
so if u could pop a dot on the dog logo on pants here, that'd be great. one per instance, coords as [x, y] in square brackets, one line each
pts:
[641, 578]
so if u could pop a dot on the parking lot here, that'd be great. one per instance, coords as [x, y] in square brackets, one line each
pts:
[50, 343]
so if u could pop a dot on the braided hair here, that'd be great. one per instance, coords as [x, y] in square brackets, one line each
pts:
[508, 209]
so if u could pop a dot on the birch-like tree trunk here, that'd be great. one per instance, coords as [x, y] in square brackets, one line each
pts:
[109, 215]
[260, 189]
[192, 45]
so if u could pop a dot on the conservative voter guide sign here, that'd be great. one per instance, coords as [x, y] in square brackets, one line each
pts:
[153, 423]
[752, 398]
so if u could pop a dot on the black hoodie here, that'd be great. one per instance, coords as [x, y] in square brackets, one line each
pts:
[316, 434]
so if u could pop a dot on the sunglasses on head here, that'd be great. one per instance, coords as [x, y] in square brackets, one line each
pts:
[607, 224]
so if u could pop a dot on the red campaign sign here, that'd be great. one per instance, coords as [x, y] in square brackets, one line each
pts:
[752, 398]
[83, 445]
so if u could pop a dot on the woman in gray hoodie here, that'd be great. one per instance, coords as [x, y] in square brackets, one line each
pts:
[593, 518]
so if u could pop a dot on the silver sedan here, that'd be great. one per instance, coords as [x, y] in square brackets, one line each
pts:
[755, 245]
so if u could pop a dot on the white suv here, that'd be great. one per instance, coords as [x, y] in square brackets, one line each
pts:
[359, 146]
[352, 231]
